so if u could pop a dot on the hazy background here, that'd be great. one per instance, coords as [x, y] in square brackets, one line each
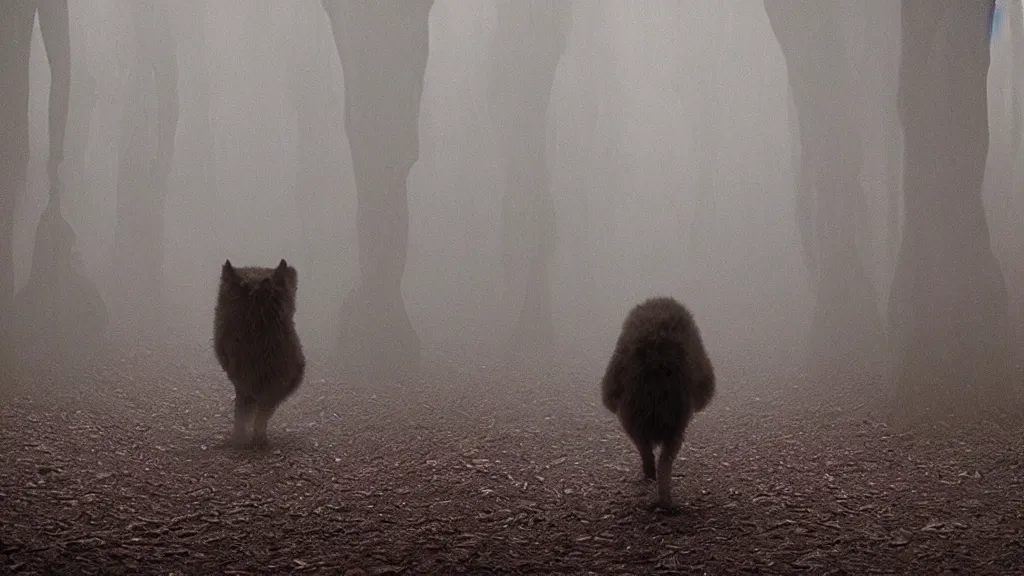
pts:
[657, 106]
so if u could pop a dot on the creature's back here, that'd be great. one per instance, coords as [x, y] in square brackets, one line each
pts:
[255, 339]
[659, 368]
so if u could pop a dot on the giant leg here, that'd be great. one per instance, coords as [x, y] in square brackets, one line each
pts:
[383, 47]
[846, 329]
[529, 41]
[17, 18]
[948, 303]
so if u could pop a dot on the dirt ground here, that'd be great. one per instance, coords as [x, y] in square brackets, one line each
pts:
[125, 469]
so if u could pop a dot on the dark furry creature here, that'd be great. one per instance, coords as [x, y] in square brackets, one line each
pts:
[256, 343]
[659, 376]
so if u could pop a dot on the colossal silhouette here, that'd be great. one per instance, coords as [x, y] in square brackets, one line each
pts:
[17, 19]
[59, 315]
[846, 329]
[873, 27]
[529, 40]
[383, 45]
[1015, 27]
[590, 151]
[320, 125]
[948, 306]
[701, 82]
[59, 312]
[196, 149]
[148, 127]
[84, 98]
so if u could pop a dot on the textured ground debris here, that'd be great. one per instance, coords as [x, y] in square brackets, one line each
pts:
[126, 468]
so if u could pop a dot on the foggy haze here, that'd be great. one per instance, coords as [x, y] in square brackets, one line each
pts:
[460, 201]
[671, 147]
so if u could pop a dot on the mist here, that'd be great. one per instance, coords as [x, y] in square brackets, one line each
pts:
[492, 185]
[669, 160]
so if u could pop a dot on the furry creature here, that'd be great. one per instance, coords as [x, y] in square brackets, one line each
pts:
[256, 344]
[659, 376]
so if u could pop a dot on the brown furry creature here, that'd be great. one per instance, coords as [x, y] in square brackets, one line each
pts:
[659, 376]
[256, 343]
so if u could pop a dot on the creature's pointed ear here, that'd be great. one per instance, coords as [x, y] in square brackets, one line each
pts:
[228, 271]
[280, 273]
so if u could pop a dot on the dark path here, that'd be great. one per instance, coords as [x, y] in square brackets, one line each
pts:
[485, 475]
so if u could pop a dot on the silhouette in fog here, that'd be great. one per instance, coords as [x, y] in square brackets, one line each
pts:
[702, 80]
[1015, 29]
[892, 135]
[59, 314]
[659, 376]
[84, 98]
[873, 51]
[256, 344]
[383, 45]
[320, 122]
[149, 124]
[17, 19]
[846, 329]
[593, 128]
[529, 40]
[195, 148]
[948, 307]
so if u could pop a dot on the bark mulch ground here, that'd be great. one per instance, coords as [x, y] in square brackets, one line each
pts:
[125, 469]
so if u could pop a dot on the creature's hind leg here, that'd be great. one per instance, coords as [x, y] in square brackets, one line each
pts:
[646, 449]
[259, 431]
[244, 407]
[668, 455]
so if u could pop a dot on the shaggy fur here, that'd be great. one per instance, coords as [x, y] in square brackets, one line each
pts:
[256, 343]
[659, 376]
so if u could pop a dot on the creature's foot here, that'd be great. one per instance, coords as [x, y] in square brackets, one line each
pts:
[664, 507]
[643, 480]
[649, 473]
[238, 439]
[259, 442]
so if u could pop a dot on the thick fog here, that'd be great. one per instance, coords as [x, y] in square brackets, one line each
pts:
[573, 159]
[511, 286]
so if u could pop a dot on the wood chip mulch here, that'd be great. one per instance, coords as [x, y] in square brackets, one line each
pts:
[124, 468]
